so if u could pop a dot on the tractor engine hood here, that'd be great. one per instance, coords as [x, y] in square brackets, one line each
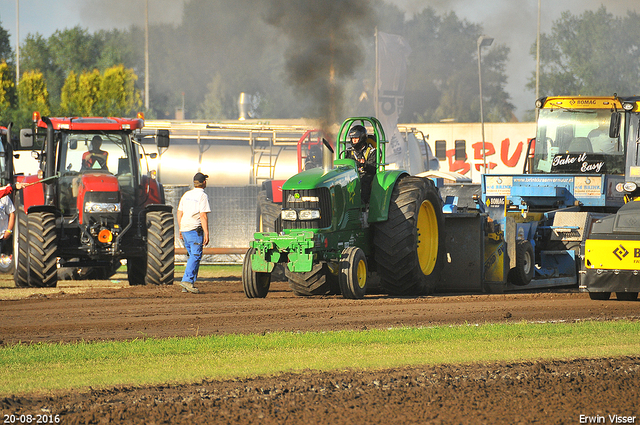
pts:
[342, 175]
[98, 193]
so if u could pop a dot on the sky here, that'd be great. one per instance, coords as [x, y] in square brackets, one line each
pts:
[510, 22]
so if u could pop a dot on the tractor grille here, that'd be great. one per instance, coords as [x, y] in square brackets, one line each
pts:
[306, 200]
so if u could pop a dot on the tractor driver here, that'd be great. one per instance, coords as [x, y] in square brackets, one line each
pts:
[365, 156]
[95, 155]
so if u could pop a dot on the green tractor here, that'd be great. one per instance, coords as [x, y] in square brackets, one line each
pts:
[331, 242]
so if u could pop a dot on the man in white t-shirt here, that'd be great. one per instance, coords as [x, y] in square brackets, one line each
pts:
[193, 225]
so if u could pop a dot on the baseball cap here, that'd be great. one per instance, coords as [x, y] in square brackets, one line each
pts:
[200, 178]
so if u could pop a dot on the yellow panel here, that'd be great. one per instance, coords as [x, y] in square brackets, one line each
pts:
[612, 254]
[494, 264]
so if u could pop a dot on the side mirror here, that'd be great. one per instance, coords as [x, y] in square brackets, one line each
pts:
[26, 138]
[152, 155]
[162, 138]
[73, 144]
[614, 126]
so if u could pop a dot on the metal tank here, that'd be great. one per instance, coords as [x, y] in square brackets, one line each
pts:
[237, 158]
[231, 154]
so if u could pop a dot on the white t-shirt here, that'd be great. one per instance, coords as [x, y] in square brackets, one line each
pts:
[6, 208]
[192, 204]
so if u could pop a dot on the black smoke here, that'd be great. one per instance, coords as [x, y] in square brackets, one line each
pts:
[325, 48]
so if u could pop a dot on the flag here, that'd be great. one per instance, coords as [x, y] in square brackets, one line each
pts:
[391, 69]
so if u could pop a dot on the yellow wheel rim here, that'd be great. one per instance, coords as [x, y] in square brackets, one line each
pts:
[427, 237]
[362, 273]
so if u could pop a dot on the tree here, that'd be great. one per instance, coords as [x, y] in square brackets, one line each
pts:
[7, 91]
[88, 88]
[117, 95]
[591, 54]
[442, 80]
[33, 94]
[6, 52]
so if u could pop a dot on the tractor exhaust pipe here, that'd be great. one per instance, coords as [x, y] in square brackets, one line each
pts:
[50, 166]
[327, 159]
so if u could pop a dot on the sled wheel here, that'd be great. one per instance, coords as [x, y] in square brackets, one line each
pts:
[522, 273]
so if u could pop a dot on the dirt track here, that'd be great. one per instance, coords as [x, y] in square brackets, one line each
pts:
[539, 392]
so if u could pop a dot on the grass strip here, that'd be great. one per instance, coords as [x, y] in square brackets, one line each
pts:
[62, 366]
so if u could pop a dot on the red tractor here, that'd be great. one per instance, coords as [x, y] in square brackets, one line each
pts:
[92, 204]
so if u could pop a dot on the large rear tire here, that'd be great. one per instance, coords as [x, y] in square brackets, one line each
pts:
[43, 247]
[410, 246]
[255, 284]
[353, 273]
[21, 249]
[319, 281]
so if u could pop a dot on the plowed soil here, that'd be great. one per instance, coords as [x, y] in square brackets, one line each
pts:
[575, 391]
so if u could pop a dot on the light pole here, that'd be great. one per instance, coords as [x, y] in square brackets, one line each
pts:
[483, 41]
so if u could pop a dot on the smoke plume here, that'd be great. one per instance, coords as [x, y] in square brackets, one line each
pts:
[325, 49]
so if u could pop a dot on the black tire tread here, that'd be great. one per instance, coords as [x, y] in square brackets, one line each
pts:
[319, 281]
[160, 248]
[43, 247]
[395, 240]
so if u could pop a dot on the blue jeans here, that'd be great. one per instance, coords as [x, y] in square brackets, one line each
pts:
[193, 243]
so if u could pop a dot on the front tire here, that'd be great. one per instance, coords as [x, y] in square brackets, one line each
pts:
[21, 249]
[160, 248]
[43, 247]
[254, 284]
[157, 266]
[353, 273]
[409, 247]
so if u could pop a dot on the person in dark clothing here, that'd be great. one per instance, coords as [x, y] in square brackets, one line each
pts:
[365, 156]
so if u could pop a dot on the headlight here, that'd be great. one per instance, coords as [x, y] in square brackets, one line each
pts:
[627, 106]
[309, 215]
[102, 207]
[288, 215]
[630, 186]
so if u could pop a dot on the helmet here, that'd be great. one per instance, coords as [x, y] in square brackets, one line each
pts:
[360, 133]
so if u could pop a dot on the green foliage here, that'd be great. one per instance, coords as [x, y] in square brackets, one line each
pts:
[33, 94]
[6, 52]
[442, 79]
[91, 94]
[7, 90]
[44, 367]
[117, 95]
[591, 54]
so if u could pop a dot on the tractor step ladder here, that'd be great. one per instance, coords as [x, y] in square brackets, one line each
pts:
[265, 156]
